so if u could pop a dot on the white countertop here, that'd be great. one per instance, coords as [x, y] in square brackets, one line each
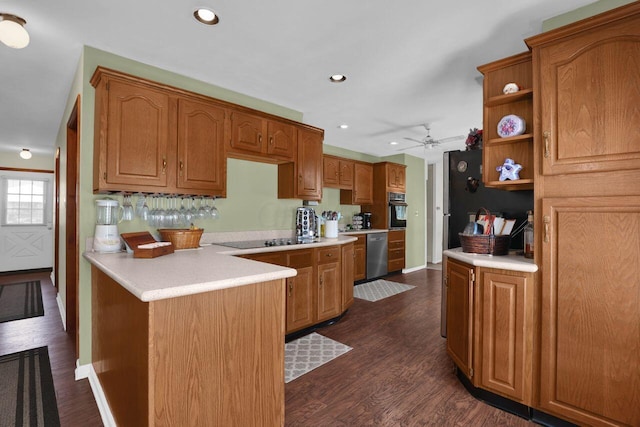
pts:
[369, 231]
[504, 262]
[192, 271]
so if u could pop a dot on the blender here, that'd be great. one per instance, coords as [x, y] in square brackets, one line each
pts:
[108, 215]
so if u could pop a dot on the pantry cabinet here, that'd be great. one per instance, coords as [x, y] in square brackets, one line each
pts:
[256, 136]
[587, 212]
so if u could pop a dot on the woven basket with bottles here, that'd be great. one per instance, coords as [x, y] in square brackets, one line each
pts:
[488, 244]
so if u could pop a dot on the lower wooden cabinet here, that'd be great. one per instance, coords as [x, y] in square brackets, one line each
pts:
[348, 270]
[329, 302]
[360, 258]
[396, 250]
[490, 328]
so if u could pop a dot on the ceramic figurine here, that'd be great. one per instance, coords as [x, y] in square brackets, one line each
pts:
[509, 170]
[510, 88]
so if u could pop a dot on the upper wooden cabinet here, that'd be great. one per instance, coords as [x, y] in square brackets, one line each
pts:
[396, 177]
[362, 191]
[151, 138]
[303, 179]
[337, 172]
[587, 77]
[514, 69]
[200, 149]
[253, 135]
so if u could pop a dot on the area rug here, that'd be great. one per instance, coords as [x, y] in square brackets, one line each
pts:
[307, 353]
[27, 395]
[379, 289]
[20, 301]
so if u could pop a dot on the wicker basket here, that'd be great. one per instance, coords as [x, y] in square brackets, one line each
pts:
[488, 244]
[182, 238]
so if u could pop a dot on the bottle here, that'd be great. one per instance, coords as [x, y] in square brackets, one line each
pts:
[528, 236]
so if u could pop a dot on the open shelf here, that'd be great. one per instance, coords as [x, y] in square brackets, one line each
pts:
[520, 184]
[511, 139]
[511, 97]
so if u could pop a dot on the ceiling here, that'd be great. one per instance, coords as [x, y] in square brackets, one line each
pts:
[407, 63]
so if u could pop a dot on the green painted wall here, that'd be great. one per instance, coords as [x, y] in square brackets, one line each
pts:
[582, 13]
[11, 159]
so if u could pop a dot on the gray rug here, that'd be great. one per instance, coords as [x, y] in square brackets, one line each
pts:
[27, 395]
[20, 301]
[379, 289]
[307, 353]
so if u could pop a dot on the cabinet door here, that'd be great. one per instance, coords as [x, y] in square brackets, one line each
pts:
[300, 300]
[459, 281]
[589, 99]
[360, 266]
[346, 174]
[329, 291]
[396, 178]
[506, 327]
[247, 133]
[282, 140]
[362, 184]
[590, 314]
[330, 172]
[137, 137]
[309, 165]
[348, 259]
[201, 162]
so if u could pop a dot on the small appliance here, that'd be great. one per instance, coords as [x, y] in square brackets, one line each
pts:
[366, 220]
[108, 215]
[306, 225]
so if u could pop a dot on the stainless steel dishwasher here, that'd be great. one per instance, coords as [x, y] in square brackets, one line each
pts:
[376, 255]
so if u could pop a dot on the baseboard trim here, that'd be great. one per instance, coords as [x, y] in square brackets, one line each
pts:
[87, 371]
[412, 269]
[63, 312]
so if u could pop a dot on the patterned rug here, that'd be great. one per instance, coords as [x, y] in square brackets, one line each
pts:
[27, 395]
[307, 353]
[379, 289]
[20, 301]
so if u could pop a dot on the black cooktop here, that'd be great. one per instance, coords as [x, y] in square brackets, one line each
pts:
[250, 244]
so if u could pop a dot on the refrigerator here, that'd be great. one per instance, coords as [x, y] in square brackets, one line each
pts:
[464, 193]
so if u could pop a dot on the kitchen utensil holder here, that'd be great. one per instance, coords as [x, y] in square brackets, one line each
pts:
[488, 244]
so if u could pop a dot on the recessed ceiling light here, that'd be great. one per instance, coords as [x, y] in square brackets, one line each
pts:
[344, 126]
[337, 78]
[393, 143]
[206, 16]
[25, 154]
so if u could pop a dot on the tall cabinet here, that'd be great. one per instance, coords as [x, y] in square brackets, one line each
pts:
[587, 207]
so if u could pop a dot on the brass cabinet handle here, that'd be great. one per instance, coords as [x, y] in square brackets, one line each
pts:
[181, 167]
[271, 140]
[290, 286]
[546, 220]
[546, 136]
[164, 165]
[260, 138]
[320, 280]
[329, 254]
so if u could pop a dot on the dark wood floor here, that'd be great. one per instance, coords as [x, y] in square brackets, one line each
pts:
[398, 373]
[76, 405]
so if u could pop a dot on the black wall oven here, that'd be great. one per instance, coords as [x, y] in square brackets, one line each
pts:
[397, 210]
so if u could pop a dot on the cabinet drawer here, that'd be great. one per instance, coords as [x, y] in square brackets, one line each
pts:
[395, 264]
[300, 259]
[329, 254]
[396, 254]
[397, 244]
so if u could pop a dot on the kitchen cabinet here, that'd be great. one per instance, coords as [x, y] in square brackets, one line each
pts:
[360, 255]
[459, 281]
[348, 260]
[256, 136]
[337, 172]
[302, 179]
[300, 290]
[587, 218]
[329, 297]
[387, 177]
[396, 250]
[396, 177]
[149, 138]
[514, 69]
[362, 192]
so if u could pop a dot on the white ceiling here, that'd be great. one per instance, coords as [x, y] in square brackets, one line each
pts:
[407, 62]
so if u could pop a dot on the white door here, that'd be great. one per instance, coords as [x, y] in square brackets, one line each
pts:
[26, 225]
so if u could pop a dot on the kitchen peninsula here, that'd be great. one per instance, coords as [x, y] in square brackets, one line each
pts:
[192, 338]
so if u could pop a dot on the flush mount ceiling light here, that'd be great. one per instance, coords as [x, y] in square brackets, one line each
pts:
[25, 154]
[206, 16]
[12, 32]
[393, 143]
[337, 78]
[344, 126]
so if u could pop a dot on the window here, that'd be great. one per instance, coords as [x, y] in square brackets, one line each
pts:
[24, 201]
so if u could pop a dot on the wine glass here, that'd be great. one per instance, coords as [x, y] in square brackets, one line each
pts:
[213, 212]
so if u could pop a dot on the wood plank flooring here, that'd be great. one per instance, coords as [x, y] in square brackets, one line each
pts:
[76, 405]
[398, 373]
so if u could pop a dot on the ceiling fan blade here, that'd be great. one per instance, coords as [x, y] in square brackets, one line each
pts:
[452, 138]
[414, 140]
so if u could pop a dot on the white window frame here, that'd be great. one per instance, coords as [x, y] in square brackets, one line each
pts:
[4, 204]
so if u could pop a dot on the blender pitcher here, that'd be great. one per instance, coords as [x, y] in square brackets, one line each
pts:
[108, 215]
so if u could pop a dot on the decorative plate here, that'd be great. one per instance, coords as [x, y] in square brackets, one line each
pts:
[511, 125]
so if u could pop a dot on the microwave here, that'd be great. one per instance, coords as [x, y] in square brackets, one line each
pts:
[397, 210]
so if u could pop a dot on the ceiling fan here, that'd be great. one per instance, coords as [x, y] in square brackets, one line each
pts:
[428, 141]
